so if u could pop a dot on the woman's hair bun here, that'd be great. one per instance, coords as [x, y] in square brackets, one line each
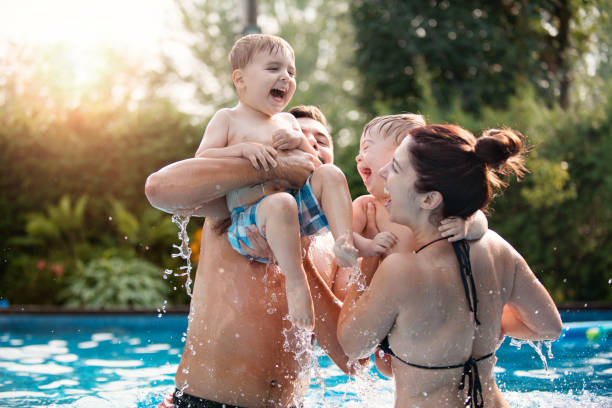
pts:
[496, 146]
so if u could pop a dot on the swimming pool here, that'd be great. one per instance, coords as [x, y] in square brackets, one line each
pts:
[88, 361]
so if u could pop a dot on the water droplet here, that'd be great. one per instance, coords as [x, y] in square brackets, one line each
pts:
[609, 281]
[237, 335]
[221, 270]
[110, 218]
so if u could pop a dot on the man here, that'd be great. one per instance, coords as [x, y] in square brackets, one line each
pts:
[234, 351]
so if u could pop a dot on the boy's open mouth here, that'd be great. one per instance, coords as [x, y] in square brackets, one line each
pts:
[277, 94]
[365, 172]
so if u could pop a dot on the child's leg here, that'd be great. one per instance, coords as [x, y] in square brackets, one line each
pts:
[331, 190]
[278, 214]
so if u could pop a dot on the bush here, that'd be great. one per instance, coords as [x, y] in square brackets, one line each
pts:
[116, 282]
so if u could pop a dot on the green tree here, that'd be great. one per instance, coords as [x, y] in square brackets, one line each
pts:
[478, 52]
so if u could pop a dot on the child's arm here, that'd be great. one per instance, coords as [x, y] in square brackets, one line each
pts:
[215, 144]
[285, 139]
[381, 244]
[455, 228]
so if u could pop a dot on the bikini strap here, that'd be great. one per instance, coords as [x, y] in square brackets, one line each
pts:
[470, 371]
[462, 251]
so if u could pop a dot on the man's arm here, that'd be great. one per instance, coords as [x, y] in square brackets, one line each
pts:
[327, 310]
[192, 183]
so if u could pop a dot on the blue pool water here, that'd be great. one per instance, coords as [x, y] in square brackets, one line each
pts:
[130, 360]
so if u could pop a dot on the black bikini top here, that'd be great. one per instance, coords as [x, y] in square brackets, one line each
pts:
[470, 369]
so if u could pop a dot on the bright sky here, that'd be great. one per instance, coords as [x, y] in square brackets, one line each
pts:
[137, 25]
[138, 28]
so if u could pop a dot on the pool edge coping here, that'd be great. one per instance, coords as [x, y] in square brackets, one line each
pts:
[184, 309]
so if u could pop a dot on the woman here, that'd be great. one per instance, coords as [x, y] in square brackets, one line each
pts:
[442, 310]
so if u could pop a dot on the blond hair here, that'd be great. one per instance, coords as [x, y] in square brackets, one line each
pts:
[246, 47]
[397, 126]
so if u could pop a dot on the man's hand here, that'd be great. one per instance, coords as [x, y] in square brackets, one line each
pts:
[284, 139]
[260, 249]
[260, 156]
[295, 166]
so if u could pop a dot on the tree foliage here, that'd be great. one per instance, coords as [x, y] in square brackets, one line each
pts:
[60, 141]
[479, 52]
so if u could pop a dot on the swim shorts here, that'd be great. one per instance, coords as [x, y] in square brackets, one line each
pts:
[311, 219]
[189, 401]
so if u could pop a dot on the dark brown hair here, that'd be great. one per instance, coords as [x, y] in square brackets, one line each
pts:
[309, 111]
[465, 170]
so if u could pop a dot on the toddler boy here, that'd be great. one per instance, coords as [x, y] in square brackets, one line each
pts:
[264, 77]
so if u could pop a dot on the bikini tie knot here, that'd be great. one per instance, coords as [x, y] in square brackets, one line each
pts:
[470, 372]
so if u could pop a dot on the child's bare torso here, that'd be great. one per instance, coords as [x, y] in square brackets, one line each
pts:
[246, 127]
[256, 128]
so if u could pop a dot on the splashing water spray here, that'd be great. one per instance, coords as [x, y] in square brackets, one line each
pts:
[537, 346]
[184, 251]
[299, 343]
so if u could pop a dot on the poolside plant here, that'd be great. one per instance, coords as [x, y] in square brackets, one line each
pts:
[116, 282]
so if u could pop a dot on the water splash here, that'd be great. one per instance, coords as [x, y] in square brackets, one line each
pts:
[537, 346]
[162, 311]
[362, 382]
[181, 390]
[356, 278]
[184, 251]
[300, 343]
[318, 377]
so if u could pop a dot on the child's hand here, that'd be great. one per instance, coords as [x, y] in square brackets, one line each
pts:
[371, 228]
[260, 156]
[453, 228]
[284, 139]
[383, 242]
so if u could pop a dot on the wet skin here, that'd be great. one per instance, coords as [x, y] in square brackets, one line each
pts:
[418, 300]
[233, 307]
[235, 330]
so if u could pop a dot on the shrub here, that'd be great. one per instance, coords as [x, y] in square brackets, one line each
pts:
[116, 282]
